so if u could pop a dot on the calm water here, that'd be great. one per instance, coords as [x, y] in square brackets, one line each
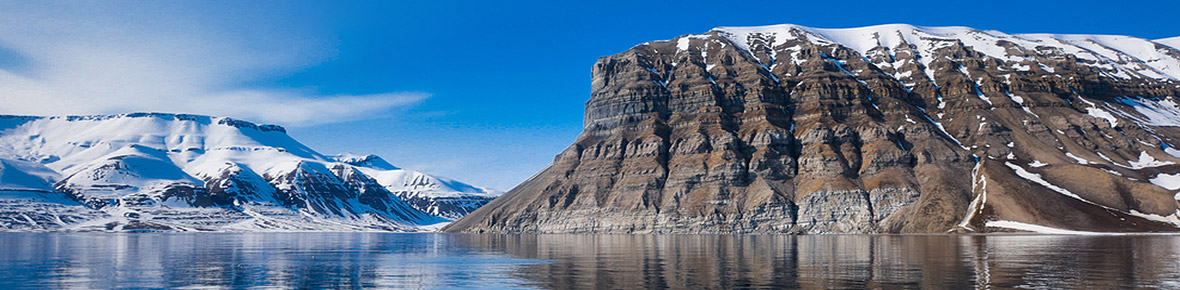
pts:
[88, 261]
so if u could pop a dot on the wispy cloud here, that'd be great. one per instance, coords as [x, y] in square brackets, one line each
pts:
[110, 57]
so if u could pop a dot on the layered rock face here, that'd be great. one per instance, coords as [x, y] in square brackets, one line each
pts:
[884, 129]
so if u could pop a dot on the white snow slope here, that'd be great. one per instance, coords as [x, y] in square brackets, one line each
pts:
[1173, 42]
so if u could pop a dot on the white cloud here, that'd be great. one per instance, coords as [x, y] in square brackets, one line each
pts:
[113, 57]
[292, 108]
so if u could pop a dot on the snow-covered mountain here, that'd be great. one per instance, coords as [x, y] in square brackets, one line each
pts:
[435, 195]
[154, 171]
[1174, 42]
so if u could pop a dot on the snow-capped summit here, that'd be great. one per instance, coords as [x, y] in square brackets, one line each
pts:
[370, 161]
[433, 194]
[157, 171]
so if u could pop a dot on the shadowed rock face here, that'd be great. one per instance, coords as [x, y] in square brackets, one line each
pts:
[891, 128]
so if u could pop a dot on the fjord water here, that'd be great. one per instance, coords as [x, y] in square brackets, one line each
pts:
[382, 260]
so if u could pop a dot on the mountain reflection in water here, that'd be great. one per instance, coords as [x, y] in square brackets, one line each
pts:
[382, 260]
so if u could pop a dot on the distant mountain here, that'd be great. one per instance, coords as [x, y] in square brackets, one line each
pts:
[175, 172]
[881, 129]
[435, 195]
[1174, 42]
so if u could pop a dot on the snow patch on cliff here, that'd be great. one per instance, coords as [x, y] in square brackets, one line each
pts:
[1014, 225]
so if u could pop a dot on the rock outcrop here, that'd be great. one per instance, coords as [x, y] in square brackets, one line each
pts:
[884, 129]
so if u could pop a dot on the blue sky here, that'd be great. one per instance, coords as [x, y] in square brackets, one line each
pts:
[483, 92]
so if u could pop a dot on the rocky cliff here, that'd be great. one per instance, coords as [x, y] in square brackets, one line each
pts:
[883, 129]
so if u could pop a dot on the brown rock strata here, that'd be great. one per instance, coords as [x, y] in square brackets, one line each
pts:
[720, 133]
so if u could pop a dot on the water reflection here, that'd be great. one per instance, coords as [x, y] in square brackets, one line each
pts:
[104, 261]
[844, 262]
[87, 261]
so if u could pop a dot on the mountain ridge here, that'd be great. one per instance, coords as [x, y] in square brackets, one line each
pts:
[1171, 41]
[183, 172]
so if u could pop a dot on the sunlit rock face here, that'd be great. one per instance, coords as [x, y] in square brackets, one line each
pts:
[883, 129]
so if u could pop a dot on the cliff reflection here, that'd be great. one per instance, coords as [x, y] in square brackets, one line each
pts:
[842, 262]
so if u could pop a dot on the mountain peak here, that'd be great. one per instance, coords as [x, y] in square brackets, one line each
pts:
[370, 160]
